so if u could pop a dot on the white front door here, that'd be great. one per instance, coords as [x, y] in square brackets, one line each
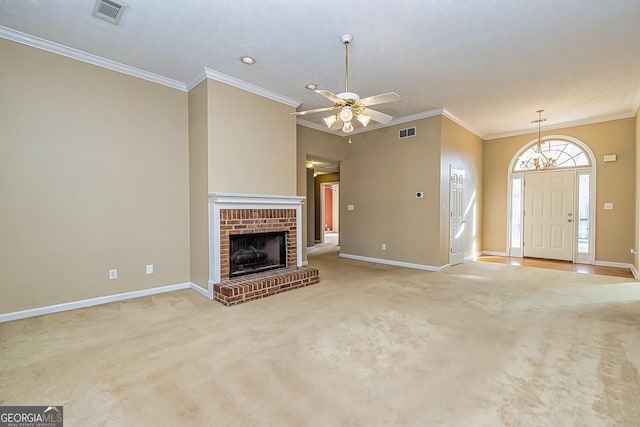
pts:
[456, 221]
[548, 215]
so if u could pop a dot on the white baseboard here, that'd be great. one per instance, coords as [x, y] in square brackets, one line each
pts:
[613, 264]
[208, 293]
[634, 270]
[395, 263]
[91, 302]
[493, 253]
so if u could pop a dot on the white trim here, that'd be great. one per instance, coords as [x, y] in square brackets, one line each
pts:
[634, 270]
[204, 292]
[208, 73]
[614, 264]
[91, 302]
[563, 125]
[395, 263]
[218, 201]
[69, 52]
[459, 122]
[495, 253]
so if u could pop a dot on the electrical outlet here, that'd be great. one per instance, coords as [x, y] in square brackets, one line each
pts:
[383, 247]
[113, 273]
[149, 268]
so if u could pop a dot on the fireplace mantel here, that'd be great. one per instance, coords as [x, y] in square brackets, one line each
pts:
[220, 201]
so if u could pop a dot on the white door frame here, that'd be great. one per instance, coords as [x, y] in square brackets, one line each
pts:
[589, 170]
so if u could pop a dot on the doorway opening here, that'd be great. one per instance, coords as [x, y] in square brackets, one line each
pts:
[551, 213]
[330, 212]
[323, 202]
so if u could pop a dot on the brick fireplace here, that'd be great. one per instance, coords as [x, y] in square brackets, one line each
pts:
[241, 214]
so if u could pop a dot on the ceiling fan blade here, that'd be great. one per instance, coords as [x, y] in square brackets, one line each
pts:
[337, 125]
[380, 99]
[317, 110]
[378, 116]
[330, 96]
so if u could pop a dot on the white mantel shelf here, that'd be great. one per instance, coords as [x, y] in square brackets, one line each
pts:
[254, 199]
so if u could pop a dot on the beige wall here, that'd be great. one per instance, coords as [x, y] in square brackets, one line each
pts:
[615, 183]
[380, 176]
[93, 176]
[198, 184]
[462, 149]
[252, 143]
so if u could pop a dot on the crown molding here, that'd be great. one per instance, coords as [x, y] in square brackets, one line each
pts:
[459, 122]
[563, 125]
[208, 73]
[29, 40]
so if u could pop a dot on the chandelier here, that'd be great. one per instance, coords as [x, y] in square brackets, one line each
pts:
[536, 159]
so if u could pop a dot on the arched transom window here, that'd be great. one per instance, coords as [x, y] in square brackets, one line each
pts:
[566, 154]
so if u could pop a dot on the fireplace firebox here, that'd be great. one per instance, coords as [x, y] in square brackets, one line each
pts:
[256, 252]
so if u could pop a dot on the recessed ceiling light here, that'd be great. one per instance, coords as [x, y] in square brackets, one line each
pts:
[247, 60]
[311, 86]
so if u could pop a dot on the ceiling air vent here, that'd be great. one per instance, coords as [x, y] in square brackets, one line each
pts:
[407, 133]
[109, 10]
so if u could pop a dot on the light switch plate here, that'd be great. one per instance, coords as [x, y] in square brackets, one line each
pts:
[350, 207]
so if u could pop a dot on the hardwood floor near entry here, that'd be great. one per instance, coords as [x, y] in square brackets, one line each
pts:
[559, 265]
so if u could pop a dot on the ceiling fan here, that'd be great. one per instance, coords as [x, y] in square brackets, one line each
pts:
[349, 104]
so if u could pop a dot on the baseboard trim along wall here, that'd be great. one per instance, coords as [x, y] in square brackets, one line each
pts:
[492, 253]
[93, 301]
[204, 292]
[634, 270]
[395, 263]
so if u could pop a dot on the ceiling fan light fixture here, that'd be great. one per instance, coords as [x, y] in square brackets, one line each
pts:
[364, 119]
[329, 121]
[347, 128]
[346, 114]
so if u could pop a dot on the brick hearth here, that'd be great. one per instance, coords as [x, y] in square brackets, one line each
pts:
[260, 285]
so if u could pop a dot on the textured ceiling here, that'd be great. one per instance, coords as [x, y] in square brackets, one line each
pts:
[490, 64]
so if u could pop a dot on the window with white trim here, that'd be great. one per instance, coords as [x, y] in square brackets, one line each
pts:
[566, 153]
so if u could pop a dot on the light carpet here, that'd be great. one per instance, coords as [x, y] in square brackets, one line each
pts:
[479, 344]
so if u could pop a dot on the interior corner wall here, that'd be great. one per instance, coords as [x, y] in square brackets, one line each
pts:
[614, 183]
[310, 208]
[252, 142]
[198, 185]
[93, 176]
[380, 176]
[463, 150]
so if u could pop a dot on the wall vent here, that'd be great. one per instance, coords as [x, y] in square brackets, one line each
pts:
[407, 133]
[109, 10]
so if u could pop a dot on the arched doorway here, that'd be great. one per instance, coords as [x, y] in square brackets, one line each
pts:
[551, 213]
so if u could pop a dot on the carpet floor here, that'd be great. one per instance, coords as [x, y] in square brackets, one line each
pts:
[479, 344]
